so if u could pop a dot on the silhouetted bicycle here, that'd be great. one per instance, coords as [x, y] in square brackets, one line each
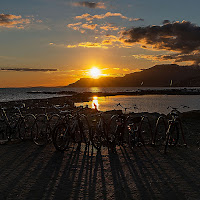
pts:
[75, 129]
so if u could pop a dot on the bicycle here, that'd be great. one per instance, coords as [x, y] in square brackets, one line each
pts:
[75, 129]
[116, 128]
[139, 131]
[174, 129]
[28, 126]
[10, 127]
[134, 133]
[45, 124]
[134, 129]
[98, 131]
[160, 130]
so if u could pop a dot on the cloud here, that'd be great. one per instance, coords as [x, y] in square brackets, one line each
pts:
[193, 58]
[27, 70]
[89, 17]
[107, 41]
[89, 26]
[80, 27]
[137, 19]
[75, 26]
[13, 21]
[183, 37]
[108, 27]
[88, 45]
[93, 5]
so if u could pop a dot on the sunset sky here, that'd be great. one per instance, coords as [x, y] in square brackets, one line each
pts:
[56, 42]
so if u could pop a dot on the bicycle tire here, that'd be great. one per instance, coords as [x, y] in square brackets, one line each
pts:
[53, 121]
[13, 127]
[160, 131]
[3, 132]
[172, 135]
[145, 131]
[40, 137]
[112, 135]
[98, 132]
[30, 121]
[85, 129]
[75, 129]
[61, 137]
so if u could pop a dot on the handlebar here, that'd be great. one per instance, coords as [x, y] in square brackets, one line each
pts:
[176, 108]
[119, 104]
[175, 111]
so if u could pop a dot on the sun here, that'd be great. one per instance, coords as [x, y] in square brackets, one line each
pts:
[95, 72]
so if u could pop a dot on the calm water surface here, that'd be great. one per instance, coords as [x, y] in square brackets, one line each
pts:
[145, 103]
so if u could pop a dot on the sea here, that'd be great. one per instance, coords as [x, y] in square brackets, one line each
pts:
[140, 103]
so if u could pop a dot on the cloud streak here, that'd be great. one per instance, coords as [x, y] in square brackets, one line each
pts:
[108, 27]
[88, 45]
[89, 17]
[193, 58]
[13, 21]
[88, 4]
[28, 70]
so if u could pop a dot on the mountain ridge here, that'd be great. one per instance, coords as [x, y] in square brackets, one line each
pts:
[156, 76]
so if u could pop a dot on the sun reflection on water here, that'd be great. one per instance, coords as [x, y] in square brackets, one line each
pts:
[95, 103]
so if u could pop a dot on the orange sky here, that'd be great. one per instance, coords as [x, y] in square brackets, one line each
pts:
[57, 42]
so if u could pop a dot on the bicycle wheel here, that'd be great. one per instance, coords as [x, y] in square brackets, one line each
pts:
[172, 135]
[98, 132]
[131, 124]
[85, 129]
[53, 121]
[30, 122]
[61, 137]
[3, 132]
[40, 138]
[145, 131]
[14, 124]
[113, 127]
[27, 126]
[160, 131]
[75, 130]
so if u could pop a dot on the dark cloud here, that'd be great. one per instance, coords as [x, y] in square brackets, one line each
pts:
[193, 58]
[181, 37]
[90, 4]
[27, 70]
[89, 17]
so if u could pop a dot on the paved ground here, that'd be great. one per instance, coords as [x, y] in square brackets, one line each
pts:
[31, 172]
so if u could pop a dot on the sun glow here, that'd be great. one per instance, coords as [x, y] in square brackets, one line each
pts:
[95, 72]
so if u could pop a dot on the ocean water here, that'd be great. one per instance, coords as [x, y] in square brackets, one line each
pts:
[145, 103]
[142, 103]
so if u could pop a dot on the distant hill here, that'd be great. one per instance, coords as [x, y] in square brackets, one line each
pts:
[157, 76]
